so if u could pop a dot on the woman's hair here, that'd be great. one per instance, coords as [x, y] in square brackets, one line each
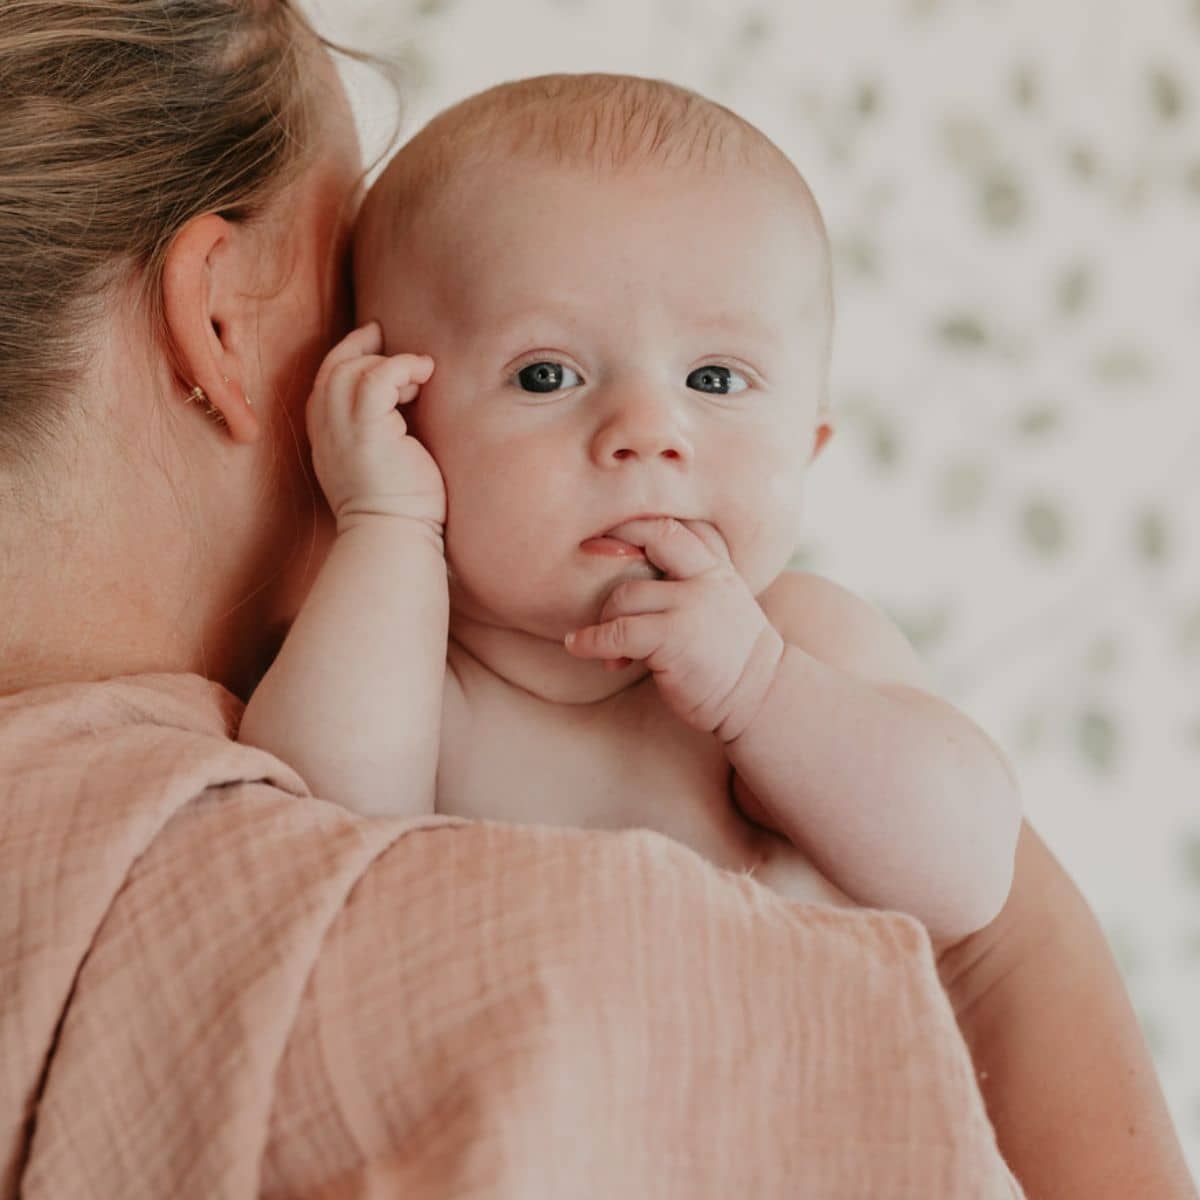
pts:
[121, 120]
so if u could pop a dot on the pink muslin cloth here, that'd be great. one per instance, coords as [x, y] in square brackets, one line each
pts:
[216, 985]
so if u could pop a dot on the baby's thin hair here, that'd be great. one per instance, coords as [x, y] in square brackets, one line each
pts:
[607, 123]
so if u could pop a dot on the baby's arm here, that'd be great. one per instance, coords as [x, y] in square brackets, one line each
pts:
[820, 705]
[895, 795]
[353, 700]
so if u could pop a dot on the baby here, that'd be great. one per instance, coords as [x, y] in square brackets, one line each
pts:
[622, 296]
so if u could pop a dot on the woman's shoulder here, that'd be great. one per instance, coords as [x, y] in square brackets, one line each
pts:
[184, 701]
[169, 736]
[164, 893]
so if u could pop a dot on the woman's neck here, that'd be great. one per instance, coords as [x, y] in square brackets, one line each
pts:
[74, 611]
[97, 574]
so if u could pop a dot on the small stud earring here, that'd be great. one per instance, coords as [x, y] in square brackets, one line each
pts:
[199, 396]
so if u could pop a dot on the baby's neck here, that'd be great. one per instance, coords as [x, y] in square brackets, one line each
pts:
[542, 668]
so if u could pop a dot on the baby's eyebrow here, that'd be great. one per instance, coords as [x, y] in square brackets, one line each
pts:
[739, 324]
[552, 308]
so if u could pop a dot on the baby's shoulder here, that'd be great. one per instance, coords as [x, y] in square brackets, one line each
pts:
[840, 628]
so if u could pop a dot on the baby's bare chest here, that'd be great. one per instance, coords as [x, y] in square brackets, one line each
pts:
[517, 759]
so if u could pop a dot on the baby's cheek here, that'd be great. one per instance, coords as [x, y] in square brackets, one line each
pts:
[493, 517]
[766, 522]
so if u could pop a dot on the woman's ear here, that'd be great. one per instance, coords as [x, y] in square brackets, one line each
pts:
[208, 306]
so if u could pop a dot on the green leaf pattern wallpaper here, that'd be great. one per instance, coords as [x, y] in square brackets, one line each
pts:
[1012, 190]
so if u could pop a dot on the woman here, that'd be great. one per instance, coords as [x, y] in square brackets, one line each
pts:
[216, 985]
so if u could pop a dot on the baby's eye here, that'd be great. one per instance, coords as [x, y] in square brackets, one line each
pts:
[547, 377]
[717, 380]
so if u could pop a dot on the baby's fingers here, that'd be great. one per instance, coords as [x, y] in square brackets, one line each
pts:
[628, 637]
[331, 405]
[389, 382]
[358, 343]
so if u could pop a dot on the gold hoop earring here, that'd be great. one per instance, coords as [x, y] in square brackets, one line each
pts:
[199, 396]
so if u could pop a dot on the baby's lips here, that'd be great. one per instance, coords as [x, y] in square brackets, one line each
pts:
[612, 547]
[708, 533]
[634, 531]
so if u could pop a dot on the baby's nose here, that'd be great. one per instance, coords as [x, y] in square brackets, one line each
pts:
[641, 429]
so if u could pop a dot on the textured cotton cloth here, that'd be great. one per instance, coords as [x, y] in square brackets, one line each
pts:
[215, 985]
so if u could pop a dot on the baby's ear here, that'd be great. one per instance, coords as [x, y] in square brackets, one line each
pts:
[822, 432]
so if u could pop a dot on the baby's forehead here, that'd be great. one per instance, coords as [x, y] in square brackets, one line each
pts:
[439, 190]
[496, 226]
[451, 212]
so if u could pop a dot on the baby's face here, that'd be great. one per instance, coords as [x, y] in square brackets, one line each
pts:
[605, 348]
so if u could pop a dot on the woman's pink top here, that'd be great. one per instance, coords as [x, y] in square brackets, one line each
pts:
[213, 985]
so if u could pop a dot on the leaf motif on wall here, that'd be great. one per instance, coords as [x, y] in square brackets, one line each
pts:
[1082, 161]
[1074, 289]
[1189, 951]
[1097, 737]
[1122, 365]
[1189, 857]
[1025, 86]
[1043, 527]
[961, 488]
[858, 253]
[1030, 734]
[963, 330]
[1191, 735]
[754, 30]
[1187, 632]
[1151, 537]
[924, 627]
[876, 430]
[1039, 420]
[867, 98]
[1166, 94]
[1001, 199]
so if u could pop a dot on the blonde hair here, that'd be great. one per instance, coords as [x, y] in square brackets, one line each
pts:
[120, 120]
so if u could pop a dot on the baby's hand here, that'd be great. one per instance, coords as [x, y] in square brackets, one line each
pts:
[365, 459]
[701, 632]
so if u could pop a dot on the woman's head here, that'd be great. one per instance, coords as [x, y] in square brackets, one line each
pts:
[176, 183]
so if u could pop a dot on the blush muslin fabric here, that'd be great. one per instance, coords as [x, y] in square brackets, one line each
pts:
[215, 985]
